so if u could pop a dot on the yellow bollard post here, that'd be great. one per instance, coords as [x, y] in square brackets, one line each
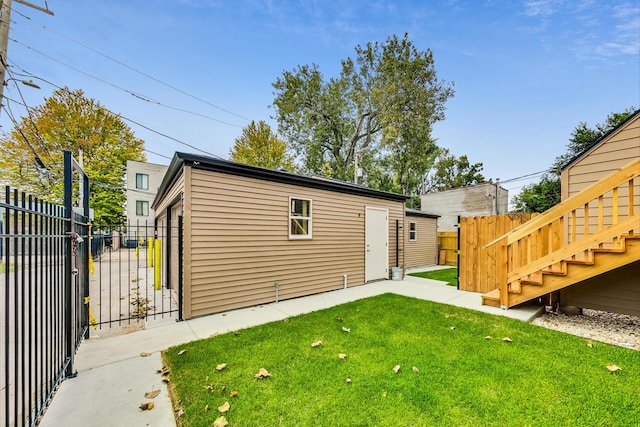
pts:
[157, 264]
[150, 252]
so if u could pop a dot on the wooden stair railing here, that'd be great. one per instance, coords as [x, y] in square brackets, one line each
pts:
[538, 247]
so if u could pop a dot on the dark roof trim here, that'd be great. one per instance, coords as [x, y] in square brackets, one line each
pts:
[599, 140]
[217, 165]
[415, 212]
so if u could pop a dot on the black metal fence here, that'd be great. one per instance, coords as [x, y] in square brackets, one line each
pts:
[38, 339]
[58, 277]
[127, 276]
[43, 286]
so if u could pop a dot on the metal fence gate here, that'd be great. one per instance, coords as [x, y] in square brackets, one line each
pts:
[44, 257]
[127, 276]
[62, 280]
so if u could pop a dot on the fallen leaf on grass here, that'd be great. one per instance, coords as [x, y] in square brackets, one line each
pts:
[316, 343]
[339, 319]
[145, 354]
[348, 380]
[452, 328]
[507, 339]
[210, 387]
[220, 422]
[224, 408]
[415, 369]
[206, 408]
[221, 366]
[286, 320]
[262, 373]
[396, 369]
[179, 413]
[146, 406]
[589, 344]
[223, 389]
[342, 356]
[151, 394]
[613, 368]
[488, 337]
[164, 370]
[181, 352]
[345, 329]
[233, 393]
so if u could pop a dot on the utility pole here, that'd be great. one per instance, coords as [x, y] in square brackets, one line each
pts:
[5, 22]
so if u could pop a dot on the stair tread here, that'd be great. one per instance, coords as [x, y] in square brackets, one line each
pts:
[492, 295]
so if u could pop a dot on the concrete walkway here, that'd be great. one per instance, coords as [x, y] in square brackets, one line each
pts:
[113, 377]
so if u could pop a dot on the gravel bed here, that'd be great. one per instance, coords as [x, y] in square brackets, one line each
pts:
[617, 329]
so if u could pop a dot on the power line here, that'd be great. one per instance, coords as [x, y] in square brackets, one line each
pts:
[142, 73]
[36, 157]
[519, 178]
[125, 118]
[140, 96]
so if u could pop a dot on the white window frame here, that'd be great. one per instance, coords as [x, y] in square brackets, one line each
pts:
[141, 203]
[144, 177]
[308, 218]
[414, 231]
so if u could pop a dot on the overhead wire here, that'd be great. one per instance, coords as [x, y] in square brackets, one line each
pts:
[137, 95]
[28, 74]
[142, 73]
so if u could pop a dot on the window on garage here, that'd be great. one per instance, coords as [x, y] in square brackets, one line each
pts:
[300, 219]
[413, 231]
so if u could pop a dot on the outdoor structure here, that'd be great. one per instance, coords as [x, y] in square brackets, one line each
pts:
[587, 247]
[248, 235]
[143, 180]
[472, 200]
[421, 245]
[617, 290]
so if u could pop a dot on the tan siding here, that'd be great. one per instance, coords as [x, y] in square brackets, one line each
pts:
[240, 246]
[614, 291]
[617, 291]
[422, 251]
[614, 152]
[176, 191]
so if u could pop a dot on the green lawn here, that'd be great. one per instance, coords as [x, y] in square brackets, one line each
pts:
[449, 275]
[541, 378]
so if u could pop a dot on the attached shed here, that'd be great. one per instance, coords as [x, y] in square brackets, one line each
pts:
[251, 236]
[421, 234]
[617, 290]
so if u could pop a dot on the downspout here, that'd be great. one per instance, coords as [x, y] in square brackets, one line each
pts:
[397, 248]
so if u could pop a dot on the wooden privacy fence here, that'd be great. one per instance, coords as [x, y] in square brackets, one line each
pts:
[448, 245]
[484, 269]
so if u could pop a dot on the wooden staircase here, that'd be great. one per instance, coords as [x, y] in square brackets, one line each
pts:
[600, 238]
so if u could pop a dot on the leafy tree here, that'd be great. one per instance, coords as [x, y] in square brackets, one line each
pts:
[31, 154]
[382, 105]
[450, 172]
[259, 146]
[539, 197]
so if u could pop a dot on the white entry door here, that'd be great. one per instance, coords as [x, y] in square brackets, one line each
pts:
[377, 244]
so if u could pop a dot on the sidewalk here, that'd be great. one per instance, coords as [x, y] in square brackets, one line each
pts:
[113, 377]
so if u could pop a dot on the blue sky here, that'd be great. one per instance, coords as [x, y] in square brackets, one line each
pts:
[525, 72]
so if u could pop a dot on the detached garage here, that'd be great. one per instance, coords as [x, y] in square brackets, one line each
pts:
[421, 245]
[251, 236]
